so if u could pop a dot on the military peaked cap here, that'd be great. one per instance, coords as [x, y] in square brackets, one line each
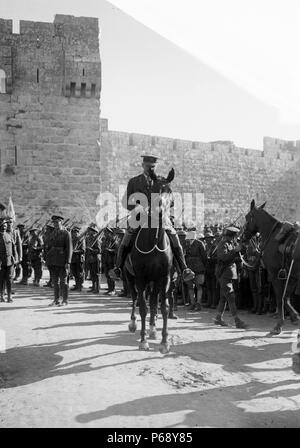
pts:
[148, 158]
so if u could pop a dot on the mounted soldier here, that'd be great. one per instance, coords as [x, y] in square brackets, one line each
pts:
[143, 184]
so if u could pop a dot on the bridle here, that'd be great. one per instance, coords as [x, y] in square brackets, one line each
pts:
[156, 238]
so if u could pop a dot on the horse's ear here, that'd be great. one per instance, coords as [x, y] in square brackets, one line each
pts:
[171, 175]
[263, 205]
[252, 206]
[152, 175]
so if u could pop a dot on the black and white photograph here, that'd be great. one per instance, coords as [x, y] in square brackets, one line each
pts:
[149, 217]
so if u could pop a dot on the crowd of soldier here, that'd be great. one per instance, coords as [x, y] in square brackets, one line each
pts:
[68, 252]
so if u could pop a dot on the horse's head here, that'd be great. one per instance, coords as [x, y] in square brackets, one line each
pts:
[251, 226]
[161, 188]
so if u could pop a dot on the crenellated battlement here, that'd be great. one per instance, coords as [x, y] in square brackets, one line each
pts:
[273, 148]
[227, 175]
[49, 113]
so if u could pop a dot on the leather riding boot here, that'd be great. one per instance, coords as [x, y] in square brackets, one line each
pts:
[187, 273]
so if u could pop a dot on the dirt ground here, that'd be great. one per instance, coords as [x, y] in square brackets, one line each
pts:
[78, 366]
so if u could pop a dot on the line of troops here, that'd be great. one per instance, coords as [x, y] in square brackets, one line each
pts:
[68, 252]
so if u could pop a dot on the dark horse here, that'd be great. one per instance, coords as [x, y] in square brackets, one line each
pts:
[276, 261]
[152, 261]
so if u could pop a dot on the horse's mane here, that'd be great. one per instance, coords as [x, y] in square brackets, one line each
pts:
[268, 214]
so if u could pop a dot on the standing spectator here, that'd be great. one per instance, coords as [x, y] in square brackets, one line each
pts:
[196, 260]
[227, 253]
[26, 268]
[59, 260]
[78, 257]
[93, 255]
[210, 276]
[7, 260]
[35, 255]
[254, 273]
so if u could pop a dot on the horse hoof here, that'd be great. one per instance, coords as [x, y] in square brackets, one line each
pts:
[276, 330]
[132, 327]
[144, 346]
[164, 348]
[153, 335]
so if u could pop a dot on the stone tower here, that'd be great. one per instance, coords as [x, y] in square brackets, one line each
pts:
[50, 84]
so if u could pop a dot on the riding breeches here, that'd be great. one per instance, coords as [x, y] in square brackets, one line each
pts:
[227, 295]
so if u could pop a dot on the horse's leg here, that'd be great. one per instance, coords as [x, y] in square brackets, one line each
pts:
[164, 345]
[153, 312]
[171, 298]
[294, 315]
[143, 313]
[132, 326]
[296, 355]
[278, 286]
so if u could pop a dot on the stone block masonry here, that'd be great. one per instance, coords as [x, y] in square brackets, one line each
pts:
[50, 159]
[228, 176]
[50, 116]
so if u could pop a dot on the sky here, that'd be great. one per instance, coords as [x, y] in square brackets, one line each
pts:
[200, 70]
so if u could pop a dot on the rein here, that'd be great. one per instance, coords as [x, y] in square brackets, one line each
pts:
[155, 242]
[153, 248]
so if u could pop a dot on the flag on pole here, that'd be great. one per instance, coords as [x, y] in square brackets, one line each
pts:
[10, 211]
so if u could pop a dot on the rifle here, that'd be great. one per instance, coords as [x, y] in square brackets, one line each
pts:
[73, 223]
[97, 237]
[66, 221]
[33, 224]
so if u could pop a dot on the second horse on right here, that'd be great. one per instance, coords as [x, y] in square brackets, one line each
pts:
[280, 252]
